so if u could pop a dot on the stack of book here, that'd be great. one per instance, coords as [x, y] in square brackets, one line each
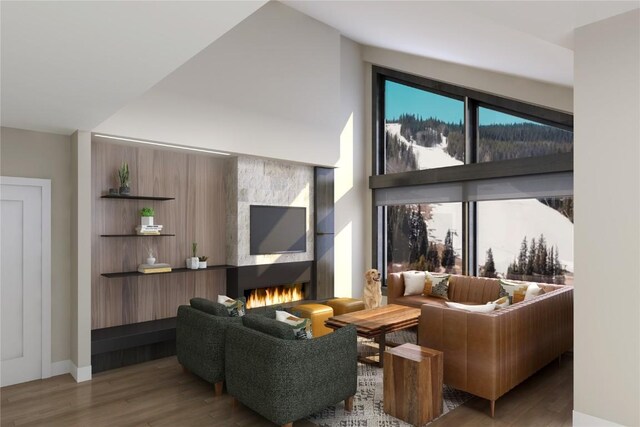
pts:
[149, 229]
[154, 268]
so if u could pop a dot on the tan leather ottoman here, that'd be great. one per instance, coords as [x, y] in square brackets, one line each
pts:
[345, 305]
[318, 313]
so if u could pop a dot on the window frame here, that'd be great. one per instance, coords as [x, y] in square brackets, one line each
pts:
[470, 170]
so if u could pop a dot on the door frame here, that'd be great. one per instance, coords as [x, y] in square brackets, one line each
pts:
[45, 188]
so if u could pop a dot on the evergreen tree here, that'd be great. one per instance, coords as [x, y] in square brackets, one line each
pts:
[540, 266]
[559, 270]
[522, 258]
[489, 265]
[531, 258]
[418, 239]
[433, 259]
[448, 255]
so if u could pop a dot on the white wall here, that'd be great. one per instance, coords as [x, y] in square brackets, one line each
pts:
[352, 254]
[520, 88]
[53, 162]
[270, 87]
[607, 217]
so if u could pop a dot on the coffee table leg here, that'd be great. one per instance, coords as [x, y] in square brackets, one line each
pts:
[382, 345]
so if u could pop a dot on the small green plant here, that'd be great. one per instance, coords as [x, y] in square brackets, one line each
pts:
[147, 212]
[194, 248]
[123, 174]
[203, 258]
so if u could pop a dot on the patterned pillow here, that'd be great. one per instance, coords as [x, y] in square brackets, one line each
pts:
[501, 302]
[301, 326]
[437, 285]
[234, 307]
[513, 289]
[413, 282]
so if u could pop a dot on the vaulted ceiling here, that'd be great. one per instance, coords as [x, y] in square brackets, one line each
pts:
[71, 65]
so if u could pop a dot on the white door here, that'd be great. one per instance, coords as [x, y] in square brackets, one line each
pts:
[24, 280]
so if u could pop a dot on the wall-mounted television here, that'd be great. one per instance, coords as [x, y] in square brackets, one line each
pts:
[277, 229]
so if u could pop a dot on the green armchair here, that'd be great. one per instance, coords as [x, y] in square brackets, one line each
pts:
[286, 380]
[200, 338]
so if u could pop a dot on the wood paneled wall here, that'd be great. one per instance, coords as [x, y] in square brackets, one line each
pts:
[196, 215]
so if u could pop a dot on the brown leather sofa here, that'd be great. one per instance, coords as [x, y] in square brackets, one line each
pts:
[488, 354]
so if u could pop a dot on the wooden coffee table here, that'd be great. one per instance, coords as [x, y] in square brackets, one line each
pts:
[376, 323]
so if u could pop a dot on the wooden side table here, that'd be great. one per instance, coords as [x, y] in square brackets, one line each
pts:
[413, 383]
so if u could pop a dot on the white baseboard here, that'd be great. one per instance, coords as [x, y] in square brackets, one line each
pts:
[80, 374]
[584, 420]
[60, 368]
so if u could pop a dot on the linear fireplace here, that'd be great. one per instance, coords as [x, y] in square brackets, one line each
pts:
[272, 295]
[269, 284]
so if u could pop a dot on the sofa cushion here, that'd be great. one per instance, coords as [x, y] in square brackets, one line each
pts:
[418, 300]
[533, 291]
[268, 326]
[439, 285]
[501, 302]
[413, 282]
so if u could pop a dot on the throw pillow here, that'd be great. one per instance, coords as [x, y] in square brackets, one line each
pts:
[301, 326]
[438, 285]
[486, 308]
[209, 307]
[513, 289]
[533, 291]
[413, 282]
[268, 326]
[234, 307]
[501, 302]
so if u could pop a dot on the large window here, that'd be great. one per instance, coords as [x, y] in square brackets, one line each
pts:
[485, 185]
[423, 130]
[505, 136]
[424, 237]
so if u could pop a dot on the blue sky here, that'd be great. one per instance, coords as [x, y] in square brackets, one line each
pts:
[401, 99]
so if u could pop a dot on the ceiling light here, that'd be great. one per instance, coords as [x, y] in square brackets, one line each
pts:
[163, 144]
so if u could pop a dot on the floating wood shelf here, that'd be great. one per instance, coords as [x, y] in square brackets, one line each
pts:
[132, 197]
[175, 270]
[137, 235]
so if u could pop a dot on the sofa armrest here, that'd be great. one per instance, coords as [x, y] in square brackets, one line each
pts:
[200, 342]
[285, 380]
[395, 287]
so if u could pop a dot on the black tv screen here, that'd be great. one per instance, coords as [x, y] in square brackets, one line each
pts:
[277, 229]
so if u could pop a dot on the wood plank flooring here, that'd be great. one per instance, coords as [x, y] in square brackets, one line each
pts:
[158, 393]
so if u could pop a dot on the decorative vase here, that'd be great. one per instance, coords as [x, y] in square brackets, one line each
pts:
[195, 263]
[151, 260]
[202, 264]
[125, 191]
[188, 262]
[146, 220]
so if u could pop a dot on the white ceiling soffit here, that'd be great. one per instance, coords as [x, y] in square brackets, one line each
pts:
[532, 39]
[70, 65]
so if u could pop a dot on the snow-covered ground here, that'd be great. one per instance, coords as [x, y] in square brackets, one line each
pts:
[502, 224]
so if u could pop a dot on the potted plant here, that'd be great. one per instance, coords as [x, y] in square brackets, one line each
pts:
[193, 262]
[146, 216]
[203, 261]
[123, 179]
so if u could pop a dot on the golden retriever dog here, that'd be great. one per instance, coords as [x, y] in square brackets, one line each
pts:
[372, 289]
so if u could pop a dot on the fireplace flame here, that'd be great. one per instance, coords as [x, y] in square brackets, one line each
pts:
[274, 295]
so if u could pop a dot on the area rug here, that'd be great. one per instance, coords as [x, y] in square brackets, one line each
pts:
[367, 406]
